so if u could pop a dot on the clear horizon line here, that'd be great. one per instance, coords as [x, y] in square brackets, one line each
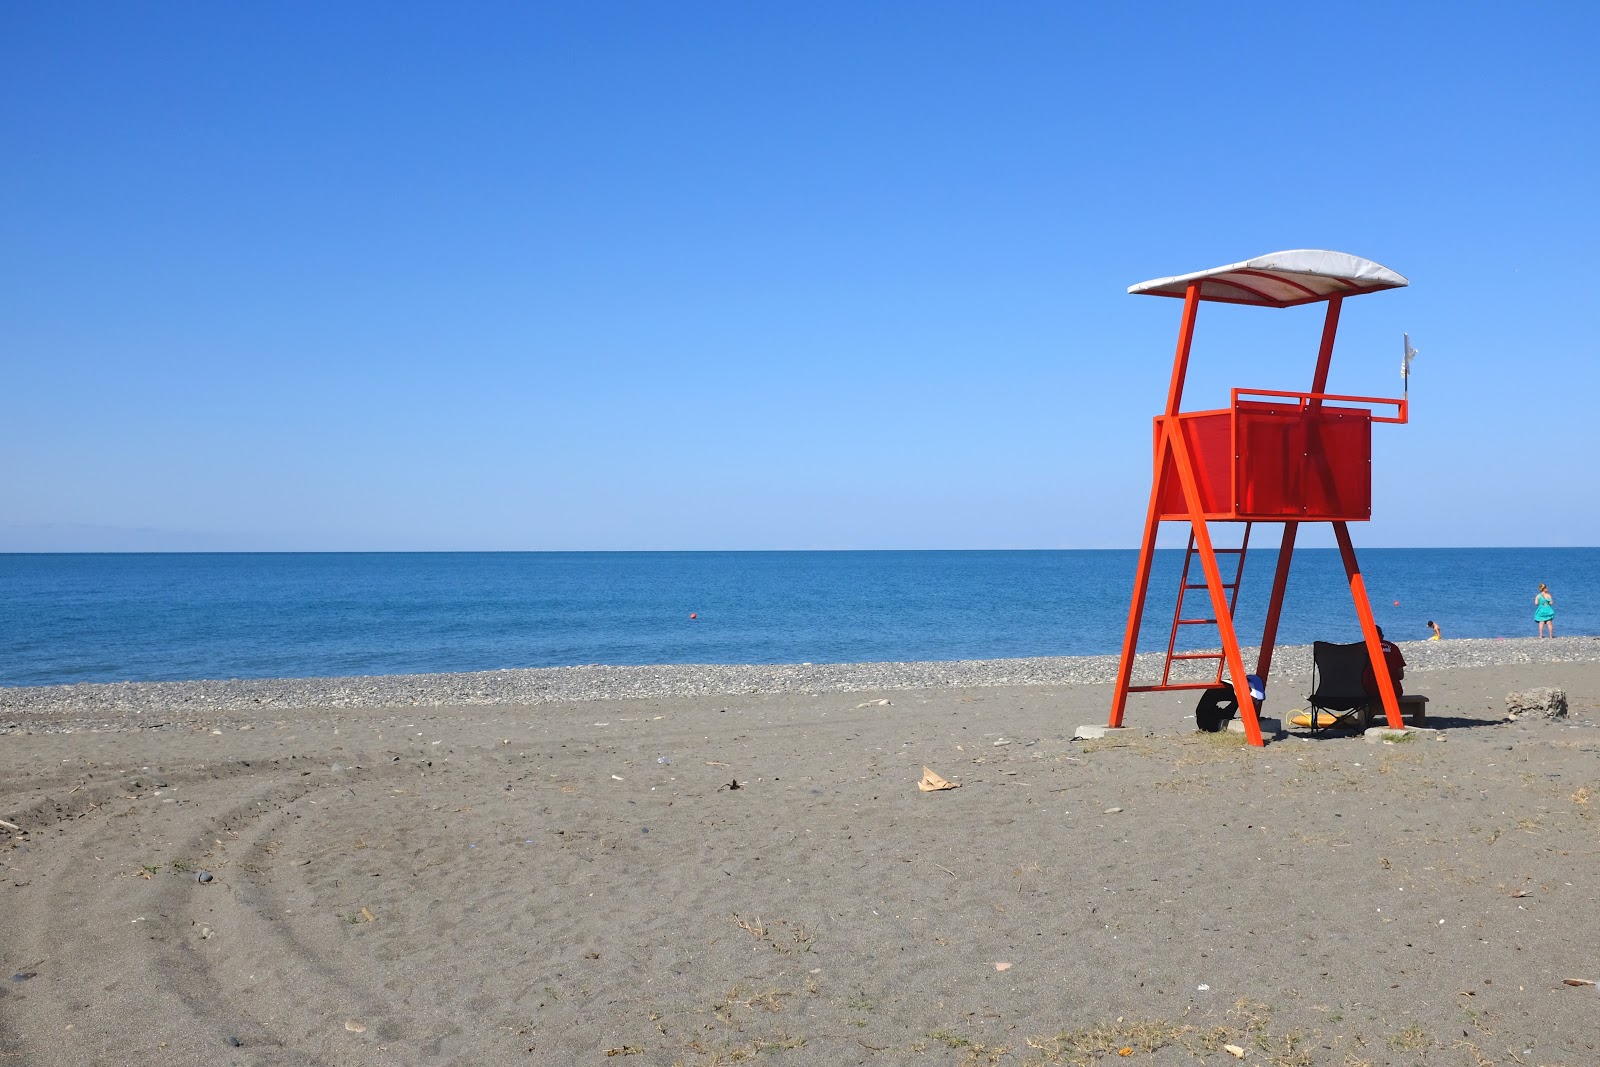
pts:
[699, 551]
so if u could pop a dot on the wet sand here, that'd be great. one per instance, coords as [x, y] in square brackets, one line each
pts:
[520, 884]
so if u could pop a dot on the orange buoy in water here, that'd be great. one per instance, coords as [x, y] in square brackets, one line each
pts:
[693, 615]
[1397, 603]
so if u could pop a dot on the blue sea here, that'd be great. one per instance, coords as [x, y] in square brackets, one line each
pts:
[148, 617]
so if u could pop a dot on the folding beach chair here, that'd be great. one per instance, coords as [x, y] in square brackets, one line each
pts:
[1337, 696]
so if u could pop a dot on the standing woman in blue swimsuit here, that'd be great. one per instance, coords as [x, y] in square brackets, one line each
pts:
[1544, 610]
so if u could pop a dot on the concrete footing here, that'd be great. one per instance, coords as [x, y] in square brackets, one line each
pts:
[1095, 733]
[1269, 727]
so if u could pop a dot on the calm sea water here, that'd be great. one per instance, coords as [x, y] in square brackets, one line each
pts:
[99, 618]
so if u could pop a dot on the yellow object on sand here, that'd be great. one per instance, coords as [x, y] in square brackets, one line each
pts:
[932, 782]
[1324, 719]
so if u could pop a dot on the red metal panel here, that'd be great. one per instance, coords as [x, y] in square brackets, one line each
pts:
[1209, 436]
[1266, 461]
[1303, 463]
[1339, 463]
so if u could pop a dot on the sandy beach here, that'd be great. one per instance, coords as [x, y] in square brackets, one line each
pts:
[730, 864]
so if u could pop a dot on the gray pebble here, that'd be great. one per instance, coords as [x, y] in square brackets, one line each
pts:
[114, 706]
[203, 877]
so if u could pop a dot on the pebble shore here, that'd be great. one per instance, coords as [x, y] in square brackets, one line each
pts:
[23, 708]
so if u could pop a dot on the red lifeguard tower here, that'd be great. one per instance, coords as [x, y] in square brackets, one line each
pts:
[1270, 456]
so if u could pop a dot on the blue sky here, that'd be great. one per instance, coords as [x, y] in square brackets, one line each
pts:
[681, 276]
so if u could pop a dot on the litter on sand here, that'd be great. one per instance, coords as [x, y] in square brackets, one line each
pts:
[1002, 966]
[932, 782]
[1576, 981]
[1234, 1050]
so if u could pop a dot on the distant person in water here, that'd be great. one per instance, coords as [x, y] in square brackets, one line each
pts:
[1393, 660]
[1437, 636]
[1544, 611]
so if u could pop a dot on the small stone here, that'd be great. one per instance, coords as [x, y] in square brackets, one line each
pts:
[355, 1027]
[1002, 741]
[1112, 811]
[234, 1042]
[1389, 735]
[203, 877]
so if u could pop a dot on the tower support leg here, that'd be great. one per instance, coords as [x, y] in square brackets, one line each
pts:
[1152, 520]
[1369, 627]
[1141, 586]
[1280, 581]
[1219, 599]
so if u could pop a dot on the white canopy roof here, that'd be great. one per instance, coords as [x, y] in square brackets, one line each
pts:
[1281, 279]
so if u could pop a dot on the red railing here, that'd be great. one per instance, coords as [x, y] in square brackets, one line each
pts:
[1312, 400]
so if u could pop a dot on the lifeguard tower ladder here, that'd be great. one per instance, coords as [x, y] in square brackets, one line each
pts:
[1270, 456]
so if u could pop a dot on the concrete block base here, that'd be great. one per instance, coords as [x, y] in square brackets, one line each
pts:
[1096, 733]
[1269, 727]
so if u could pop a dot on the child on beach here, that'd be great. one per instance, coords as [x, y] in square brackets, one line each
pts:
[1544, 610]
[1437, 636]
